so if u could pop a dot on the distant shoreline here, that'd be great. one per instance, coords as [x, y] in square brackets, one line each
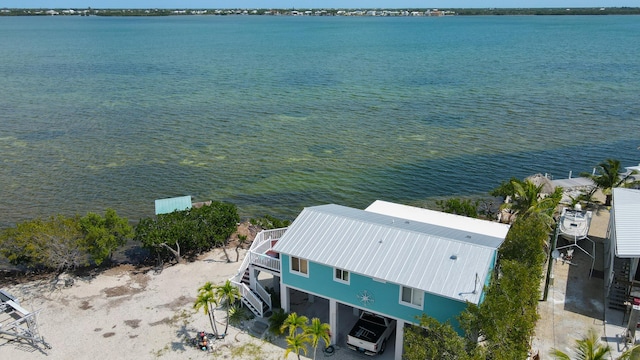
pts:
[368, 12]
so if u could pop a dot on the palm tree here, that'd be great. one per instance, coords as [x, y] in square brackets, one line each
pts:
[296, 344]
[293, 322]
[608, 177]
[632, 353]
[317, 331]
[586, 196]
[207, 300]
[587, 348]
[527, 200]
[227, 294]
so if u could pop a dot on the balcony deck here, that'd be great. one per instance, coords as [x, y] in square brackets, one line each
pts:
[261, 251]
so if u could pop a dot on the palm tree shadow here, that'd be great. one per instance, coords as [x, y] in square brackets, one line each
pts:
[178, 346]
[186, 335]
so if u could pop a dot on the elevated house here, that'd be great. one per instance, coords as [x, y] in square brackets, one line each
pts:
[394, 260]
[623, 253]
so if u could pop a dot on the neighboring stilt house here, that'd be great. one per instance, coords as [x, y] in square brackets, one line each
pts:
[621, 256]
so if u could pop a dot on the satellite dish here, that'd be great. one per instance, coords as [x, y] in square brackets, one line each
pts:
[555, 254]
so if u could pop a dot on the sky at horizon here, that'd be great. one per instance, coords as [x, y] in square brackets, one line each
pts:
[314, 4]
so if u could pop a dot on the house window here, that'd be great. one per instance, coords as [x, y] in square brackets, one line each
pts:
[411, 297]
[340, 275]
[300, 266]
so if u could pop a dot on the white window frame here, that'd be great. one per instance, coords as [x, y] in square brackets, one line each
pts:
[299, 261]
[340, 279]
[413, 294]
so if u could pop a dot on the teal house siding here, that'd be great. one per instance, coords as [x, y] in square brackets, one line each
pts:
[166, 206]
[487, 281]
[385, 295]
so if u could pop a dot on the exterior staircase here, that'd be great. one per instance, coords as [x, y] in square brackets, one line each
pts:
[260, 257]
[619, 292]
[252, 305]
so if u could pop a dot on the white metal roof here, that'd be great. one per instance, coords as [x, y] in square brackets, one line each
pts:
[437, 259]
[453, 221]
[572, 183]
[630, 169]
[633, 168]
[626, 220]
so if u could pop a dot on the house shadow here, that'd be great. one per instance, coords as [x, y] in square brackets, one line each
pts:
[584, 292]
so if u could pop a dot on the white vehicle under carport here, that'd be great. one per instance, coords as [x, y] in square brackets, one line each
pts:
[370, 334]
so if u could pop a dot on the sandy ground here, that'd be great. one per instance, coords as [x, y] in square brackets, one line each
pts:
[128, 313]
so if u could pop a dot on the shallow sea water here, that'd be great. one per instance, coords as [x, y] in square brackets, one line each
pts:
[278, 113]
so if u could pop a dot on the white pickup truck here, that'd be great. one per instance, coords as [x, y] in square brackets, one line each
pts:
[371, 333]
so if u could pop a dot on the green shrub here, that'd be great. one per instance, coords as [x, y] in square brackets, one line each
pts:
[276, 320]
[269, 222]
[238, 314]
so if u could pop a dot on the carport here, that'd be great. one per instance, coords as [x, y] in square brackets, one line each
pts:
[346, 315]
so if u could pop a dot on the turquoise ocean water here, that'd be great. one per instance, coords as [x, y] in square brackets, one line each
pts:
[277, 113]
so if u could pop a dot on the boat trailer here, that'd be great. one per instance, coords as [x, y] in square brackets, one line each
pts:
[17, 322]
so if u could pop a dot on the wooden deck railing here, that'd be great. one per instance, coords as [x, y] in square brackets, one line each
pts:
[265, 261]
[263, 294]
[249, 296]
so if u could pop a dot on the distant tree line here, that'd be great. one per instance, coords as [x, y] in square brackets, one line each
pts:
[325, 12]
[550, 11]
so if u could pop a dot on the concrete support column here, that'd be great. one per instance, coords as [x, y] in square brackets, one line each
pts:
[284, 298]
[399, 339]
[333, 320]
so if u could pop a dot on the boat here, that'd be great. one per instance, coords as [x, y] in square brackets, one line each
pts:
[574, 223]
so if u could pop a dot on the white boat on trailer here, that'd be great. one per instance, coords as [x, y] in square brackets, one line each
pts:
[573, 225]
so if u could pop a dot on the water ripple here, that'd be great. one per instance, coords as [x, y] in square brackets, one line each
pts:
[275, 114]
